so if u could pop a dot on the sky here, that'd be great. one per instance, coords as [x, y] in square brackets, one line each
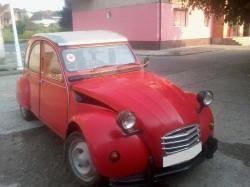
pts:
[36, 5]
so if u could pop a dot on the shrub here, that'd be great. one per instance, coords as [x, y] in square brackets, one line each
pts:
[7, 35]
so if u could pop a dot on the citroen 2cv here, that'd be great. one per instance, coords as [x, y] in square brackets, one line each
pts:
[118, 121]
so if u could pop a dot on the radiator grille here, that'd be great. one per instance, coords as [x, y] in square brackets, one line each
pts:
[180, 139]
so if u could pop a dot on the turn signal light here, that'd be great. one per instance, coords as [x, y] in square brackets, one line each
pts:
[211, 125]
[114, 156]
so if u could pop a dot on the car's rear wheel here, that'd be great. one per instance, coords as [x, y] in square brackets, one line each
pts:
[80, 163]
[26, 114]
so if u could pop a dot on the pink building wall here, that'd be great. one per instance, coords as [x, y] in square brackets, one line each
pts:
[137, 22]
[146, 25]
[195, 28]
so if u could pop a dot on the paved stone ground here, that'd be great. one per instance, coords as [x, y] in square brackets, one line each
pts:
[34, 157]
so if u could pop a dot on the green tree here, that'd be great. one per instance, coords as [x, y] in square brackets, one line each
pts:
[235, 11]
[54, 27]
[7, 34]
[20, 26]
[66, 20]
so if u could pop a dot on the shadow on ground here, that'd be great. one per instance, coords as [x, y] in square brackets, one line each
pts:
[34, 157]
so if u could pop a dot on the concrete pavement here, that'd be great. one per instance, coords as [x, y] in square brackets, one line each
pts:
[34, 157]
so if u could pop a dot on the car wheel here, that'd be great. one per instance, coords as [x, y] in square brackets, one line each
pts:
[26, 114]
[79, 161]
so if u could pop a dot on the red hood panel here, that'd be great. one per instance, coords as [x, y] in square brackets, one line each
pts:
[158, 104]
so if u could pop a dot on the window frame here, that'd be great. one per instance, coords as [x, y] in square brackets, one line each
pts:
[43, 75]
[27, 55]
[33, 45]
[181, 10]
[92, 46]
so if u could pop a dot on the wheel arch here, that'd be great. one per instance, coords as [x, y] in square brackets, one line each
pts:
[73, 127]
[106, 138]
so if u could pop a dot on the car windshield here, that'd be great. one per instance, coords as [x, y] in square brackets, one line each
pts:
[91, 58]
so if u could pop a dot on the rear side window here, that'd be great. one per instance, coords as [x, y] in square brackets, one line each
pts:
[34, 62]
[26, 60]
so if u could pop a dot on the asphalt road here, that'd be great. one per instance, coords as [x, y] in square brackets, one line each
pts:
[10, 47]
[10, 61]
[31, 155]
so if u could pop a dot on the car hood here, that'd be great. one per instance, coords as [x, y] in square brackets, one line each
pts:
[158, 104]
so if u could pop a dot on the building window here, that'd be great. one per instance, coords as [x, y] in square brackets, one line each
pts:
[180, 17]
[108, 15]
[177, 1]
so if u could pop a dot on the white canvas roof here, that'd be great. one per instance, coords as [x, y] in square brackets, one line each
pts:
[83, 37]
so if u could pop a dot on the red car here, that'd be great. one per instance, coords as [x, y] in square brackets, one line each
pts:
[118, 121]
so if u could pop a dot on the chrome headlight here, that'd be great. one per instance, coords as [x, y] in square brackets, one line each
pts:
[127, 121]
[205, 97]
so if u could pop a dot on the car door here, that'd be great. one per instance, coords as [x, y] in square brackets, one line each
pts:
[53, 94]
[34, 76]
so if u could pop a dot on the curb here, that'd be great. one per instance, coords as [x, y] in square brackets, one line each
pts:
[177, 53]
[11, 72]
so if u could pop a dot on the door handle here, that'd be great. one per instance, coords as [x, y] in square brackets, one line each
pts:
[41, 81]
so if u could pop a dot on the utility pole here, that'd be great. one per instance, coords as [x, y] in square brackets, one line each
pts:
[17, 46]
[2, 50]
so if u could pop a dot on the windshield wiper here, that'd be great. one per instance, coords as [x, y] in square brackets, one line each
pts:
[76, 78]
[130, 64]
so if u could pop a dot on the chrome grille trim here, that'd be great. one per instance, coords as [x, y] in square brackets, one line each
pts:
[180, 139]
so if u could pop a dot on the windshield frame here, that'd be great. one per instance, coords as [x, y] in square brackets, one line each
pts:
[100, 70]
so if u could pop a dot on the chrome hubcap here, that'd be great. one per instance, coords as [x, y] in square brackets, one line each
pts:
[81, 161]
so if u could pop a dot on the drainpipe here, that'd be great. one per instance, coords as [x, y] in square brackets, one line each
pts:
[160, 6]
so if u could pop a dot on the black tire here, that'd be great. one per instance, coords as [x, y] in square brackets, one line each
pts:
[26, 114]
[74, 142]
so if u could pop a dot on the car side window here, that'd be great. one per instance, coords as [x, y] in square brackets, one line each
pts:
[51, 67]
[34, 61]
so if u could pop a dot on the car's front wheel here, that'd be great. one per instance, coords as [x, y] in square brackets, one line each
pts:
[79, 161]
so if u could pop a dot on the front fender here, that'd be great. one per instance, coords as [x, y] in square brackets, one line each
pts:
[205, 117]
[103, 136]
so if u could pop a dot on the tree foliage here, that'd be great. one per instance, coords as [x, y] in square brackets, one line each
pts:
[66, 20]
[26, 29]
[235, 11]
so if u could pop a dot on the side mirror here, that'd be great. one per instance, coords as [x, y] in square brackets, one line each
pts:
[146, 61]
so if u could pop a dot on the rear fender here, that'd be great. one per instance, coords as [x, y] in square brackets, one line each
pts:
[103, 136]
[23, 92]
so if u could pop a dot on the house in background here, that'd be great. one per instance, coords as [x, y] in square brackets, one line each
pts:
[229, 34]
[148, 24]
[45, 18]
[5, 17]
